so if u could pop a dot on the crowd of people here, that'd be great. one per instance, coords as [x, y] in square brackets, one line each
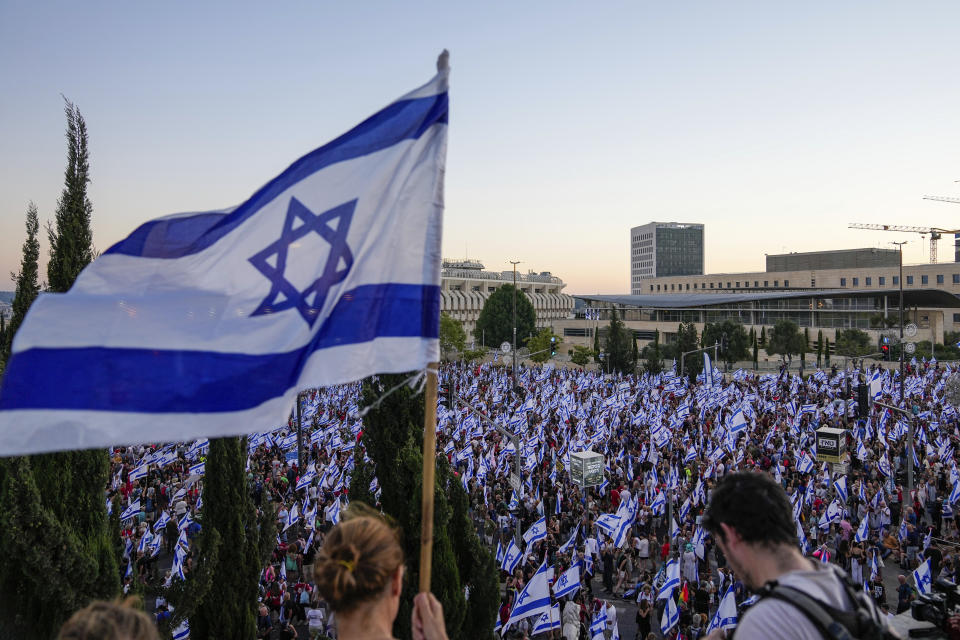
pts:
[636, 543]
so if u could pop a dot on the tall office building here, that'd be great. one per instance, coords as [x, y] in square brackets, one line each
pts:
[661, 249]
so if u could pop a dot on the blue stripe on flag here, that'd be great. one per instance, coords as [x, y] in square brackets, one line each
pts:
[178, 237]
[110, 379]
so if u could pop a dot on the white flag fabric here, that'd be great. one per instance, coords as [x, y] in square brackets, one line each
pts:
[210, 323]
[534, 600]
[567, 583]
[726, 615]
[670, 617]
[707, 370]
[672, 580]
[922, 579]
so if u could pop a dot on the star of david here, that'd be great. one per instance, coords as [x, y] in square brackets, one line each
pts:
[332, 226]
[523, 597]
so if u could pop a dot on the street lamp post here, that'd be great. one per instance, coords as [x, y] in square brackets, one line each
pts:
[903, 380]
[516, 383]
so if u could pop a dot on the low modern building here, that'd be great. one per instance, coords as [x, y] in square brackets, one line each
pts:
[824, 290]
[465, 287]
[660, 249]
[934, 311]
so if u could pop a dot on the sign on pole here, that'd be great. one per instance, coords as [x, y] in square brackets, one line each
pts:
[586, 468]
[831, 444]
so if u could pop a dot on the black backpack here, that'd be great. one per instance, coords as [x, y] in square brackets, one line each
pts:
[864, 621]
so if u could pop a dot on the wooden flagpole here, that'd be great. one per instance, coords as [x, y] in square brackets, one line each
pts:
[429, 471]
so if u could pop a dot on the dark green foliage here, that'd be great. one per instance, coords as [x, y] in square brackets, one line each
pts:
[756, 352]
[738, 345]
[634, 353]
[763, 337]
[393, 440]
[854, 342]
[186, 596]
[540, 345]
[820, 348]
[495, 324]
[826, 351]
[785, 339]
[228, 609]
[28, 284]
[53, 517]
[619, 354]
[452, 335]
[652, 355]
[580, 355]
[687, 340]
[71, 238]
[596, 346]
[54, 565]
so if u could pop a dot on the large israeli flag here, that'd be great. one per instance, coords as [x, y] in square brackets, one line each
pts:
[210, 323]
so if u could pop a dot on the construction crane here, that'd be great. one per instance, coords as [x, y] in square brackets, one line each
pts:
[942, 199]
[935, 233]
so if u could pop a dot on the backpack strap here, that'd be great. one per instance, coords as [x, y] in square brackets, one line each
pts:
[822, 616]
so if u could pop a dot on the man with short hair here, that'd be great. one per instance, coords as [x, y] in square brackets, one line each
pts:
[751, 519]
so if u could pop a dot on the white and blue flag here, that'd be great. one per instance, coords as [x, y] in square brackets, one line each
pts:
[210, 323]
[922, 579]
[534, 600]
[726, 615]
[670, 617]
[536, 532]
[568, 582]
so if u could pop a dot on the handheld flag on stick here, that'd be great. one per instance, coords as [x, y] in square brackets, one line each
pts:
[327, 274]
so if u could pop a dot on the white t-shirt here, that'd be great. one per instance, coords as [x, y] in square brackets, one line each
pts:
[643, 548]
[315, 618]
[774, 618]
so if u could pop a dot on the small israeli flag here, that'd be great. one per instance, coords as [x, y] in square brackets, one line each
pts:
[922, 579]
[130, 511]
[670, 617]
[327, 274]
[139, 472]
[182, 632]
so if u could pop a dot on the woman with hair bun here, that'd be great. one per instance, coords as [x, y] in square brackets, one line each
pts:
[359, 573]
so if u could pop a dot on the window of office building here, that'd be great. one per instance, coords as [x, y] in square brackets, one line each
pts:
[776, 283]
[651, 287]
[843, 282]
[671, 286]
[688, 286]
[939, 278]
[956, 318]
[924, 279]
[882, 280]
[738, 285]
[711, 285]
[728, 285]
[658, 287]
[786, 283]
[867, 281]
[856, 282]
[766, 283]
[909, 279]
[756, 283]
[896, 279]
[695, 284]
[956, 278]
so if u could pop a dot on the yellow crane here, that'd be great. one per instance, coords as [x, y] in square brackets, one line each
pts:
[935, 233]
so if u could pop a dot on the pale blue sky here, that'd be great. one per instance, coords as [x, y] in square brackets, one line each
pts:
[774, 124]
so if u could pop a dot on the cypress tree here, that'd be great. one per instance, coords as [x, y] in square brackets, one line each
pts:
[393, 439]
[228, 609]
[763, 337]
[71, 238]
[28, 285]
[62, 489]
[756, 353]
[596, 346]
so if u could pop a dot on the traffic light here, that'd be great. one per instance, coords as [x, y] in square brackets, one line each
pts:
[863, 400]
[885, 350]
[553, 345]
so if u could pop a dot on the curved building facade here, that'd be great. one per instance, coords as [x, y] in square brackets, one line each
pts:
[465, 286]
